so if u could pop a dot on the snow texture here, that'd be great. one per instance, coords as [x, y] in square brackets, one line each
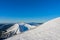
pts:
[48, 31]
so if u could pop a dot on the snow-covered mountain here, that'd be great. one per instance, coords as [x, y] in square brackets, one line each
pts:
[25, 27]
[12, 29]
[28, 26]
[48, 31]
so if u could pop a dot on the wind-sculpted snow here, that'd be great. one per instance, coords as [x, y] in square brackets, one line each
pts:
[48, 31]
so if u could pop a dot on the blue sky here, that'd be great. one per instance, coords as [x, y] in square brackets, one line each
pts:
[28, 10]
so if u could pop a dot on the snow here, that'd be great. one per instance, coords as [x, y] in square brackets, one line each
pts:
[29, 26]
[14, 28]
[47, 31]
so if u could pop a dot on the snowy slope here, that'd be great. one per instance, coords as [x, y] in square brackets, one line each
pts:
[14, 28]
[48, 31]
[24, 27]
[28, 25]
[11, 31]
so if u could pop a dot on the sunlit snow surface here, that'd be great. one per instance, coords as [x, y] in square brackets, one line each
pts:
[48, 31]
[11, 29]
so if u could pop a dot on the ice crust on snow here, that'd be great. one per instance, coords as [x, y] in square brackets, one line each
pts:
[48, 31]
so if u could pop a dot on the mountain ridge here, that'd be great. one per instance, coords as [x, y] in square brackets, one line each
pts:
[47, 31]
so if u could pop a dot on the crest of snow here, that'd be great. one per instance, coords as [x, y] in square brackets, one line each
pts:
[29, 26]
[14, 28]
[48, 31]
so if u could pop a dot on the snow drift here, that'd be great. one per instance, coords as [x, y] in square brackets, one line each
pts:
[48, 31]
